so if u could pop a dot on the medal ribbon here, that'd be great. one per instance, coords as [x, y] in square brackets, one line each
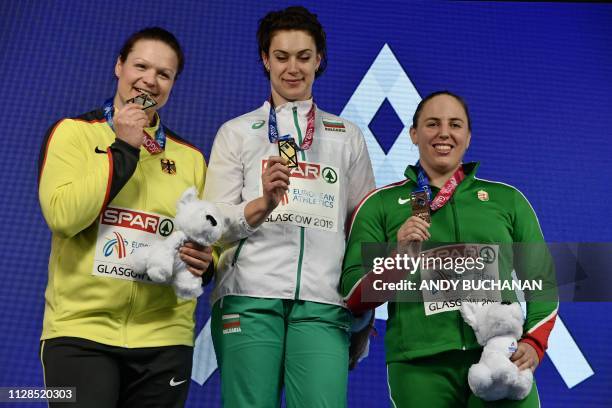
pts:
[153, 146]
[445, 192]
[274, 137]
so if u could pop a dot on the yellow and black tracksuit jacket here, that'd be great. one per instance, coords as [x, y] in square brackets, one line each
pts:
[84, 169]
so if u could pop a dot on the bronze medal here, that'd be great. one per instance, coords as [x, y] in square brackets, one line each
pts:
[143, 100]
[420, 206]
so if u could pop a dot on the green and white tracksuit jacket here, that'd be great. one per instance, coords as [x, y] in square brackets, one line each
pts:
[297, 252]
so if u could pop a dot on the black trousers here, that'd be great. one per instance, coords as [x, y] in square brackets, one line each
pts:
[109, 377]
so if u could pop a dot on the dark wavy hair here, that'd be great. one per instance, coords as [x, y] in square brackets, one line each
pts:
[292, 18]
[154, 33]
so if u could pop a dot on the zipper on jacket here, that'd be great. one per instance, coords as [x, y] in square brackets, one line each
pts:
[132, 298]
[237, 253]
[299, 268]
[455, 220]
[457, 240]
[301, 256]
[130, 308]
[299, 132]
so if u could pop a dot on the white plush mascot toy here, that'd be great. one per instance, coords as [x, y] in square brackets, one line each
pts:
[498, 327]
[197, 221]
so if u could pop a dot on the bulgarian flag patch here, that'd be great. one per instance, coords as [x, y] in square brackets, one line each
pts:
[231, 323]
[334, 125]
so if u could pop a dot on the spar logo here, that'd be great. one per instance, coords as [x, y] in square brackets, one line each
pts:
[309, 171]
[116, 244]
[121, 217]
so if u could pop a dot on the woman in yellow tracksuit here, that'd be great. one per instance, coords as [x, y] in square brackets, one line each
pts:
[108, 184]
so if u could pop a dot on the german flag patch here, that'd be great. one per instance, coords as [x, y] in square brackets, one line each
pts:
[231, 323]
[334, 126]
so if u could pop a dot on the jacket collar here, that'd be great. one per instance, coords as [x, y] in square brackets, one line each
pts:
[303, 107]
[469, 169]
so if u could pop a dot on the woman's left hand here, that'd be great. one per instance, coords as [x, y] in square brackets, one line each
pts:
[196, 256]
[525, 357]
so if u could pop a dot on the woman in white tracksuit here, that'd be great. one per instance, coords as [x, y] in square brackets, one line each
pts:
[278, 319]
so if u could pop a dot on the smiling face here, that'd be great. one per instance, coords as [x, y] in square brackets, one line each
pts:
[292, 61]
[150, 67]
[442, 135]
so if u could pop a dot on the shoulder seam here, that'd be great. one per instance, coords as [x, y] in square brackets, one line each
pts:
[496, 182]
[45, 147]
[94, 116]
[370, 195]
[177, 139]
[522, 195]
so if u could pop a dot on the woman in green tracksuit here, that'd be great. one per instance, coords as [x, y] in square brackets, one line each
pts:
[429, 348]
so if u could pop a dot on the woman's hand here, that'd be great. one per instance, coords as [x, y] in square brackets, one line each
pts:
[275, 181]
[129, 122]
[525, 357]
[196, 256]
[411, 234]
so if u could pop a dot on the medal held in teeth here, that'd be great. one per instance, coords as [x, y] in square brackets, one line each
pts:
[143, 100]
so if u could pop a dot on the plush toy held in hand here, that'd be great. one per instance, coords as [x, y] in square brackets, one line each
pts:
[196, 221]
[497, 327]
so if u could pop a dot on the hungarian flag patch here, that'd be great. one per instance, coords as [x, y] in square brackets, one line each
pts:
[334, 125]
[231, 323]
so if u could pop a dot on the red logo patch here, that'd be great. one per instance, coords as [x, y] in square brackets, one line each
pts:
[310, 171]
[130, 219]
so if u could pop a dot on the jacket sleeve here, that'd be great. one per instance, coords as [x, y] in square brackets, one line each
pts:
[224, 184]
[75, 184]
[200, 180]
[367, 226]
[533, 261]
[125, 158]
[361, 175]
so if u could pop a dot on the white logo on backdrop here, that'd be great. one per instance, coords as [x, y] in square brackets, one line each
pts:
[386, 79]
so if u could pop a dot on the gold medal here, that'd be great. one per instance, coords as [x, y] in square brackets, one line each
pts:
[288, 151]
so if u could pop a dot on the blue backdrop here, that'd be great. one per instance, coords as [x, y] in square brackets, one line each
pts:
[537, 78]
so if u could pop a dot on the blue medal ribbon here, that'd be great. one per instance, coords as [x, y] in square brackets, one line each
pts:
[423, 181]
[273, 128]
[447, 190]
[108, 108]
[308, 136]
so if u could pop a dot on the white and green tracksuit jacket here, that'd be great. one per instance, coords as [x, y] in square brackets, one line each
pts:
[297, 252]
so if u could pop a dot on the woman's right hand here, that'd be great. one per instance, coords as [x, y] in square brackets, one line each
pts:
[411, 234]
[275, 181]
[129, 122]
